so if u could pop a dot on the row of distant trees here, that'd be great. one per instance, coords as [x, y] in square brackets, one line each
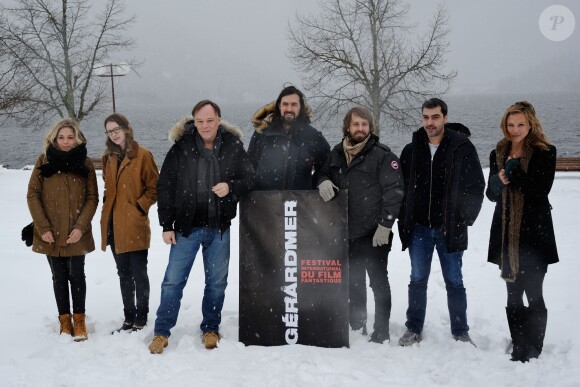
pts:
[353, 52]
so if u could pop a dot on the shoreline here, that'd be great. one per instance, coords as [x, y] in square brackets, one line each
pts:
[98, 167]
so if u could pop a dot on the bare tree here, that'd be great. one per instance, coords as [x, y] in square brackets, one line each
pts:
[361, 52]
[7, 74]
[49, 49]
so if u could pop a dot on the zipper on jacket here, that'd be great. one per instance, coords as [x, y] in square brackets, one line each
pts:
[430, 191]
[288, 141]
[448, 191]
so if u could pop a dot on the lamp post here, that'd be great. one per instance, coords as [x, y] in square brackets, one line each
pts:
[121, 70]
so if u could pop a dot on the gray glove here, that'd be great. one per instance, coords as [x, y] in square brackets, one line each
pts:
[326, 190]
[381, 236]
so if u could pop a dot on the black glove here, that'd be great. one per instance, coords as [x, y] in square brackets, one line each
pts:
[510, 167]
[495, 185]
[27, 233]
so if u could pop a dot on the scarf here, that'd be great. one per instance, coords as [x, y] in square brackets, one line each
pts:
[72, 161]
[511, 217]
[208, 175]
[350, 151]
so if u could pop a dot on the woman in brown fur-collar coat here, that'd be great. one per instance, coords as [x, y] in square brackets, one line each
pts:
[522, 242]
[130, 175]
[62, 199]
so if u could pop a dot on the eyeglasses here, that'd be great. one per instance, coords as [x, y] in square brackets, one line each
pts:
[116, 130]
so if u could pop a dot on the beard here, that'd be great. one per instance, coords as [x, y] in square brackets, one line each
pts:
[433, 131]
[289, 122]
[289, 117]
[357, 137]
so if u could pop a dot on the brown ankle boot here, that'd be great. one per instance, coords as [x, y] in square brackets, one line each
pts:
[65, 324]
[80, 328]
[211, 339]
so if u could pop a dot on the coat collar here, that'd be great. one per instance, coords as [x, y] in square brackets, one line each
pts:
[450, 136]
[263, 117]
[374, 140]
[134, 151]
[186, 122]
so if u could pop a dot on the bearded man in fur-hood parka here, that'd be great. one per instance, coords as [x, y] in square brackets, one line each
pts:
[286, 151]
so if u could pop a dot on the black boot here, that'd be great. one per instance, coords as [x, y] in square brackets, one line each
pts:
[358, 317]
[362, 327]
[536, 331]
[358, 314]
[127, 326]
[379, 336]
[382, 316]
[517, 321]
[141, 318]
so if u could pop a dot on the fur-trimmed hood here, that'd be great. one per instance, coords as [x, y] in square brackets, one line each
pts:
[178, 129]
[263, 117]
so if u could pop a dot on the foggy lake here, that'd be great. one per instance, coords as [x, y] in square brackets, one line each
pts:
[151, 123]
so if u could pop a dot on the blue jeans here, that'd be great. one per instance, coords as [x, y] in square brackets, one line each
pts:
[423, 241]
[216, 258]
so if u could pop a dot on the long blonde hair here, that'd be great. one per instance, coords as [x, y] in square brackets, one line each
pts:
[536, 137]
[52, 133]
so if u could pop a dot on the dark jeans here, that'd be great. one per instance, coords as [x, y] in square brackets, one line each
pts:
[530, 280]
[132, 270]
[424, 240]
[65, 270]
[364, 258]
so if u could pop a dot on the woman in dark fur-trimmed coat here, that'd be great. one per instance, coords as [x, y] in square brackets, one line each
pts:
[522, 242]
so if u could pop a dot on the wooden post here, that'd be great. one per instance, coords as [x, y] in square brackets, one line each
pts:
[112, 87]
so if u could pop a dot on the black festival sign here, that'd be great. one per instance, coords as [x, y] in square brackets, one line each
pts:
[293, 269]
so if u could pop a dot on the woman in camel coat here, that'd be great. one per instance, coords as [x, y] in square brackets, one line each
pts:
[130, 175]
[62, 199]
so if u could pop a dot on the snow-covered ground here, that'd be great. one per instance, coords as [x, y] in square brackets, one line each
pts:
[33, 354]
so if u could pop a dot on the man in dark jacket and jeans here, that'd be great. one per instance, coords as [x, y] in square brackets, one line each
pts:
[201, 179]
[286, 151]
[444, 187]
[370, 172]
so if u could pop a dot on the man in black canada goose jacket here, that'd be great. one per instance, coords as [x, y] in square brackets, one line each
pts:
[371, 173]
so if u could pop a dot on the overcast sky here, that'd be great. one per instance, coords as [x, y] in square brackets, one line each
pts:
[217, 48]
